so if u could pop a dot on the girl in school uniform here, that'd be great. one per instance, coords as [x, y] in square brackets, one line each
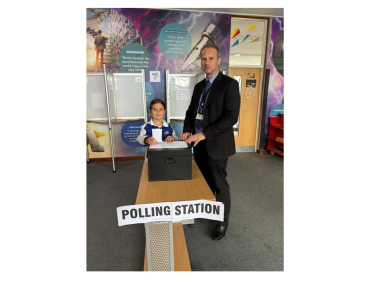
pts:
[158, 110]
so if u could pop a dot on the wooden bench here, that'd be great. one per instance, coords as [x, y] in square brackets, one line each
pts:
[174, 191]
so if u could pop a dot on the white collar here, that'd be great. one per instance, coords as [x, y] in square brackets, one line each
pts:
[164, 123]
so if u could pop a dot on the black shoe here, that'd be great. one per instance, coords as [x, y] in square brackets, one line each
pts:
[219, 232]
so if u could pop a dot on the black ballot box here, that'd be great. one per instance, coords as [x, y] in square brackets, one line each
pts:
[166, 164]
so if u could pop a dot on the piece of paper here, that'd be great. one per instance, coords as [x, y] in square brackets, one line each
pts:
[157, 134]
[154, 76]
[183, 94]
[173, 144]
[170, 211]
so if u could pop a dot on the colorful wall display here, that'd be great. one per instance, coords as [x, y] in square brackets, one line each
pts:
[98, 141]
[125, 142]
[276, 78]
[155, 40]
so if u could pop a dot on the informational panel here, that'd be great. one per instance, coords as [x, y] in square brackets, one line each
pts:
[96, 99]
[111, 95]
[129, 95]
[180, 90]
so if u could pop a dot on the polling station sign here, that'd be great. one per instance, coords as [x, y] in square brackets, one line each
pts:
[170, 211]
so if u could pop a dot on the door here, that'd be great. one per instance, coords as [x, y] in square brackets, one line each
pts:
[249, 91]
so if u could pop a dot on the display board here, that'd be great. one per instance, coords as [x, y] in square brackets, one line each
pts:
[179, 92]
[130, 95]
[95, 96]
[111, 99]
[126, 96]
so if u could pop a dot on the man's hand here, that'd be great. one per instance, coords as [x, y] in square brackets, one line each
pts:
[169, 139]
[150, 140]
[196, 138]
[184, 136]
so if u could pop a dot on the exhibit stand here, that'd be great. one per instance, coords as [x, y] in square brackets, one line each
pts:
[115, 98]
[179, 90]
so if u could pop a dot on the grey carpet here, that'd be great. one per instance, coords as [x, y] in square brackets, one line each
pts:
[254, 240]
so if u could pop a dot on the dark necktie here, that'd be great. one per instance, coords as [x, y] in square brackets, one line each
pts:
[199, 123]
[206, 89]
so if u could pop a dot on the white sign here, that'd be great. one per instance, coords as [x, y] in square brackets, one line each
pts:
[170, 211]
[183, 94]
[154, 76]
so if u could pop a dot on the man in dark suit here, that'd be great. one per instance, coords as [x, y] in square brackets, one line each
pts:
[209, 121]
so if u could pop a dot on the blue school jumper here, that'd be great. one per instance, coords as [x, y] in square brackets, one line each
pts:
[146, 131]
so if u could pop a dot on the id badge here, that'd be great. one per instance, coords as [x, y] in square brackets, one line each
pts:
[199, 116]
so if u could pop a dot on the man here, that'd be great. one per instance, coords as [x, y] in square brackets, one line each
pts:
[209, 121]
[99, 47]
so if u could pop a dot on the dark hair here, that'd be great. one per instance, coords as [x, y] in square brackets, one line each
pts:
[211, 46]
[99, 31]
[157, 101]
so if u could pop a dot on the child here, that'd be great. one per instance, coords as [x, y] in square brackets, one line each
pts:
[158, 110]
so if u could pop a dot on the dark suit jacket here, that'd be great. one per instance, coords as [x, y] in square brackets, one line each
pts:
[221, 114]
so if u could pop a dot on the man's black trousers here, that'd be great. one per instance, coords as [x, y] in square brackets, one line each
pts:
[214, 172]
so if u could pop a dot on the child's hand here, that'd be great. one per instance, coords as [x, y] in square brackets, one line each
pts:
[150, 140]
[169, 139]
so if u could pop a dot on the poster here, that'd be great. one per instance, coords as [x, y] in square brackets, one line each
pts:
[154, 40]
[98, 140]
[275, 64]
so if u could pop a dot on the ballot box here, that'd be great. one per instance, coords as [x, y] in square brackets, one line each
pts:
[171, 163]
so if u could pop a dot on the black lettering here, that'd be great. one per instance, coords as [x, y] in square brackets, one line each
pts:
[197, 207]
[146, 213]
[208, 208]
[153, 211]
[167, 210]
[124, 213]
[190, 209]
[133, 213]
[216, 209]
[177, 210]
[184, 209]
[140, 213]
[158, 211]
[202, 207]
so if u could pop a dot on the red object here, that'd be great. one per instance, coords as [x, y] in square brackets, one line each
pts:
[236, 33]
[276, 130]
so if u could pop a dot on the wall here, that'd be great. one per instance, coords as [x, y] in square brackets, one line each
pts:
[275, 94]
[155, 40]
